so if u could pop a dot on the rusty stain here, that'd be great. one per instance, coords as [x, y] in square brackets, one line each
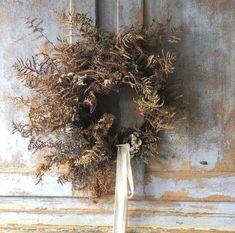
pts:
[186, 166]
[131, 213]
[59, 211]
[38, 228]
[183, 196]
[14, 162]
[187, 175]
[227, 161]
[99, 229]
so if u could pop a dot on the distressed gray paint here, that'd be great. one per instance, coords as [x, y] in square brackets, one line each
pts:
[16, 41]
[67, 213]
[204, 72]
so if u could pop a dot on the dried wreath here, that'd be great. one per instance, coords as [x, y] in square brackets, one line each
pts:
[69, 82]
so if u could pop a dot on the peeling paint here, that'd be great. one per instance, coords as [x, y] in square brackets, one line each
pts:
[196, 163]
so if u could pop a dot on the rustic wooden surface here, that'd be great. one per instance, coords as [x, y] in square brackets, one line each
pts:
[71, 229]
[61, 211]
[198, 160]
[190, 186]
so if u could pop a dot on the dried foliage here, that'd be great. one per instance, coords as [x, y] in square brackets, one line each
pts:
[67, 84]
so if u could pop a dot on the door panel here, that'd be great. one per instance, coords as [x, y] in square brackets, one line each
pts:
[197, 160]
[190, 185]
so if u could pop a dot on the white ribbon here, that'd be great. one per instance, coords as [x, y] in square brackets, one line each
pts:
[71, 11]
[123, 178]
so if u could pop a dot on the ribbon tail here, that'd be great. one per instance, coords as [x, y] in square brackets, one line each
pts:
[130, 176]
[123, 178]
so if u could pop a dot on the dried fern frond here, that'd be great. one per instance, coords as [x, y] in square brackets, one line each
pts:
[166, 62]
[35, 25]
[101, 182]
[101, 129]
[154, 111]
[89, 157]
[20, 100]
[47, 116]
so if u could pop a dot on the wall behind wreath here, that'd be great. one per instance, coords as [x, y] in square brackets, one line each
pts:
[191, 184]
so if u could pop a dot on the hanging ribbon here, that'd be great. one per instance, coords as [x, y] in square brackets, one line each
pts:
[123, 178]
[71, 12]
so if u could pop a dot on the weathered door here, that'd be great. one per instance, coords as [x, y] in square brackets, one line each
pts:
[190, 186]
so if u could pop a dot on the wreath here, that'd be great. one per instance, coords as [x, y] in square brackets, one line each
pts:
[70, 86]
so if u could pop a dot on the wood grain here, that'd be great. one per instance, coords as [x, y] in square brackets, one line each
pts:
[189, 187]
[76, 212]
[84, 229]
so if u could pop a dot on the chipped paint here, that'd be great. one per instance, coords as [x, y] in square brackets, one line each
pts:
[142, 214]
[206, 73]
[205, 188]
[194, 174]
